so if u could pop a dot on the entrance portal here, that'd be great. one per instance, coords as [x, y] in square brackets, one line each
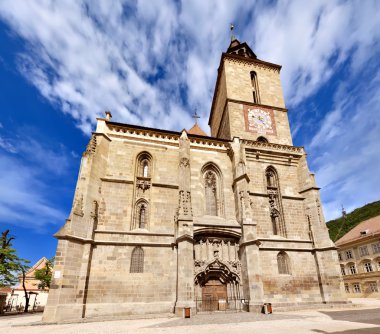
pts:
[214, 296]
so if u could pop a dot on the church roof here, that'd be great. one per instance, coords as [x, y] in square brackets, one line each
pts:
[367, 228]
[196, 130]
[241, 49]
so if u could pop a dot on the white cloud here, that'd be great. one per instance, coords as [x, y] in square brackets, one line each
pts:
[346, 148]
[28, 172]
[154, 63]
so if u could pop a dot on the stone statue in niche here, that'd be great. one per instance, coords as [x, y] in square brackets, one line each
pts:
[271, 181]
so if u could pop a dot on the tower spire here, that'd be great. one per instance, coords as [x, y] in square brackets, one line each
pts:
[233, 37]
[196, 117]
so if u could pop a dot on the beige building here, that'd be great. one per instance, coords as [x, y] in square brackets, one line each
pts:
[163, 221]
[15, 300]
[359, 256]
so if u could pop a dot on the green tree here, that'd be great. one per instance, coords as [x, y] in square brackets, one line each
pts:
[11, 265]
[44, 275]
[9, 261]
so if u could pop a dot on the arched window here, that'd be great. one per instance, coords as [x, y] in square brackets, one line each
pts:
[255, 87]
[271, 177]
[276, 221]
[211, 193]
[212, 181]
[262, 139]
[275, 203]
[142, 213]
[144, 163]
[145, 168]
[137, 260]
[283, 263]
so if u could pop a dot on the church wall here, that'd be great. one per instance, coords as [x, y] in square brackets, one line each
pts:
[220, 158]
[115, 206]
[164, 203]
[301, 285]
[238, 81]
[113, 290]
[292, 203]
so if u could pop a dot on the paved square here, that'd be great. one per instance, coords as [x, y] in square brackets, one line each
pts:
[359, 321]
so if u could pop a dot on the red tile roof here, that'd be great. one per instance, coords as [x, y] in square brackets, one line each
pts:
[370, 226]
[196, 130]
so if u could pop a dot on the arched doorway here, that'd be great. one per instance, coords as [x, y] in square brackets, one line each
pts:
[218, 287]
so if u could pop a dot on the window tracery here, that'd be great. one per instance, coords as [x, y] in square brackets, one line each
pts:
[275, 203]
[212, 183]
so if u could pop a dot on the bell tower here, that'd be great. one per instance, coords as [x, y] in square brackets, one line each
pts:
[248, 101]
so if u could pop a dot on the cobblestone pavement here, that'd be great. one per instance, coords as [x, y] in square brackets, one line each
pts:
[361, 321]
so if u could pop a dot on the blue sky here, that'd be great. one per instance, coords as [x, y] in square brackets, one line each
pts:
[153, 63]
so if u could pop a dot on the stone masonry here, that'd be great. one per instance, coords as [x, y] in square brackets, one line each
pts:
[163, 221]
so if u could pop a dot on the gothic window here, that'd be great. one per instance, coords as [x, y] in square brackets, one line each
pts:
[275, 204]
[212, 188]
[141, 214]
[262, 139]
[271, 177]
[275, 216]
[145, 168]
[144, 165]
[137, 260]
[255, 88]
[283, 263]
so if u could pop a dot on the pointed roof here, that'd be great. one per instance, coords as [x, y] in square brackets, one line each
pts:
[196, 130]
[241, 49]
[367, 228]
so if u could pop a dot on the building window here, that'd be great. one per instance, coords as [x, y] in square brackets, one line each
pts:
[255, 88]
[352, 269]
[144, 163]
[363, 250]
[347, 288]
[213, 193]
[373, 287]
[349, 255]
[357, 288]
[283, 263]
[340, 257]
[368, 267]
[275, 203]
[376, 248]
[342, 270]
[137, 260]
[141, 214]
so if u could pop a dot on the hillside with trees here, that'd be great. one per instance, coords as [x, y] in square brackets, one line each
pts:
[340, 226]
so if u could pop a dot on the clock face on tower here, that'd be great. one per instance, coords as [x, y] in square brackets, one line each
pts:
[259, 120]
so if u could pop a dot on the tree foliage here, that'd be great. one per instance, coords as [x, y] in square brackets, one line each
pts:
[9, 261]
[44, 275]
[340, 226]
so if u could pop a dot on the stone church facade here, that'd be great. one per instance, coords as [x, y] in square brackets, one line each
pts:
[162, 220]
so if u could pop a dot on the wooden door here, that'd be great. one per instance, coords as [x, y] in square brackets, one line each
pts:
[214, 295]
